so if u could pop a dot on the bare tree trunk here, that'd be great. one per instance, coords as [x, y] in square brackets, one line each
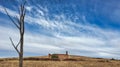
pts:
[21, 46]
[20, 60]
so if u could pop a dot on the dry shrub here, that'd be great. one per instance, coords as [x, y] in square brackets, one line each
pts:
[112, 59]
[71, 62]
[71, 59]
[81, 60]
[1, 60]
[55, 59]
[104, 60]
[37, 59]
[61, 64]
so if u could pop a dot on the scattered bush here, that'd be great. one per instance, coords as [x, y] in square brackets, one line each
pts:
[42, 59]
[112, 59]
[54, 56]
[1, 60]
[103, 60]
[70, 59]
[55, 59]
[98, 58]
[82, 59]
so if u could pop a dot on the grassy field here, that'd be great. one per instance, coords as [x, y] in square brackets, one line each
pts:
[81, 62]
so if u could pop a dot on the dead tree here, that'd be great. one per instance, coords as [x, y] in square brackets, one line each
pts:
[18, 21]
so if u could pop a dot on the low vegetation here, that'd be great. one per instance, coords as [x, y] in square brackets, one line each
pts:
[73, 61]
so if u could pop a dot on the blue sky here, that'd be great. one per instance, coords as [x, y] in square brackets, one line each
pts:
[81, 27]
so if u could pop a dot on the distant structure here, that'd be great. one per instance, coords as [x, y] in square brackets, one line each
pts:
[59, 56]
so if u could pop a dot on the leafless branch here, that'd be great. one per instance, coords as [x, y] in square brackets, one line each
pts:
[12, 19]
[14, 45]
[18, 44]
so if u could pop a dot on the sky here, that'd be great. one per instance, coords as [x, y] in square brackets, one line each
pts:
[81, 27]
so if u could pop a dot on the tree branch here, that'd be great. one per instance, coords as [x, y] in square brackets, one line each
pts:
[14, 45]
[18, 44]
[11, 19]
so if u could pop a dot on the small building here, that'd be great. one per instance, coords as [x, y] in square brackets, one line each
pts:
[59, 56]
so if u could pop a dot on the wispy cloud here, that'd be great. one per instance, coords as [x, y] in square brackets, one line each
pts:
[78, 38]
[36, 43]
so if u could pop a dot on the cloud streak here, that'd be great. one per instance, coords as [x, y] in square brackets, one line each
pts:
[77, 38]
[76, 45]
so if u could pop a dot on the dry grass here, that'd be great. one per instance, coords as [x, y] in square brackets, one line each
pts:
[82, 62]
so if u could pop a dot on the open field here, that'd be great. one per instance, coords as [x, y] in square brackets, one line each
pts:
[80, 62]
